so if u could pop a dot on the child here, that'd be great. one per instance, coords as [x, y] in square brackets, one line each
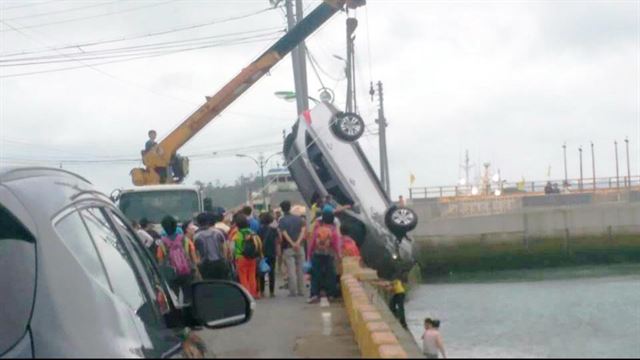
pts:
[432, 340]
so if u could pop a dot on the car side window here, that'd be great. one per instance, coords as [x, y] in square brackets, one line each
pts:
[161, 298]
[75, 236]
[17, 279]
[118, 264]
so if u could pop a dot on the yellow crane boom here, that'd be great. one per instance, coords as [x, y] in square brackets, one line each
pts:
[158, 160]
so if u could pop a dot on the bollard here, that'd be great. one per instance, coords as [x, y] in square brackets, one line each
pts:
[369, 329]
[379, 339]
[359, 324]
[365, 317]
[392, 352]
[366, 275]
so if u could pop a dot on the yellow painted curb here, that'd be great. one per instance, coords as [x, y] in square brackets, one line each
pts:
[392, 352]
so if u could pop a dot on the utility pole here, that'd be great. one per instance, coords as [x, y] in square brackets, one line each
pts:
[264, 193]
[299, 70]
[352, 24]
[302, 62]
[593, 167]
[466, 167]
[566, 176]
[382, 135]
[615, 143]
[580, 151]
[626, 140]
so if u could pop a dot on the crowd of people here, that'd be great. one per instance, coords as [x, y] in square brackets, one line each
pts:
[249, 249]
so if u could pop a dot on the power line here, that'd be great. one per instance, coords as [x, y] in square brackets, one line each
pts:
[26, 5]
[134, 50]
[220, 152]
[317, 64]
[156, 54]
[62, 11]
[141, 36]
[88, 17]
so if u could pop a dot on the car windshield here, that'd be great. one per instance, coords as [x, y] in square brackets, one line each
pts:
[154, 205]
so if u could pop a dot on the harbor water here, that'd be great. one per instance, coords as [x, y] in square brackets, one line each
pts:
[568, 312]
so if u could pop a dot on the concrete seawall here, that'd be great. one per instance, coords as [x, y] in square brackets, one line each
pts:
[377, 332]
[522, 232]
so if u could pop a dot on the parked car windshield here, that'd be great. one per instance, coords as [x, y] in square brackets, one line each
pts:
[154, 205]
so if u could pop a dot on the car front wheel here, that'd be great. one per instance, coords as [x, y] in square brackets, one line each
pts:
[401, 220]
[348, 126]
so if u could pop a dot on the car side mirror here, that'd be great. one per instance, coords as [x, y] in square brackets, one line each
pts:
[218, 304]
[115, 195]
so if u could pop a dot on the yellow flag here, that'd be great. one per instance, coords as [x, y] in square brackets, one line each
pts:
[412, 179]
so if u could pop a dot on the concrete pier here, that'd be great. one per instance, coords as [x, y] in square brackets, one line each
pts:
[287, 327]
[358, 325]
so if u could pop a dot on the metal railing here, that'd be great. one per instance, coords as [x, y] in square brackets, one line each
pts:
[525, 188]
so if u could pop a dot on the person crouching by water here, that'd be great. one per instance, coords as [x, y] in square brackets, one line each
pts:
[248, 248]
[324, 250]
[432, 340]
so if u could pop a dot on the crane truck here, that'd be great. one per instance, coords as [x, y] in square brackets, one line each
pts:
[158, 190]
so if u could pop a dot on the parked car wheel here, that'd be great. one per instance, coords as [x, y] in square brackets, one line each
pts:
[401, 220]
[348, 126]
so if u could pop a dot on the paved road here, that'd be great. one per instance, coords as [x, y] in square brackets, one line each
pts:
[285, 327]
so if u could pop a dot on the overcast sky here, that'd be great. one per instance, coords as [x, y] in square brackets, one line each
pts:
[510, 81]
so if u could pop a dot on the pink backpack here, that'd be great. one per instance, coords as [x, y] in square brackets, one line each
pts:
[177, 258]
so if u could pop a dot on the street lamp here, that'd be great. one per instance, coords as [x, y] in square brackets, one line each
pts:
[261, 162]
[291, 96]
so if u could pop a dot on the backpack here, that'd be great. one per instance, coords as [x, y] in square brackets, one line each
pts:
[250, 246]
[177, 256]
[324, 235]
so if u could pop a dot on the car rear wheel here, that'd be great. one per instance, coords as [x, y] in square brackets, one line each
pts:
[348, 126]
[401, 220]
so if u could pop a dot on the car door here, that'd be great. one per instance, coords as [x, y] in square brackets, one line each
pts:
[17, 283]
[132, 283]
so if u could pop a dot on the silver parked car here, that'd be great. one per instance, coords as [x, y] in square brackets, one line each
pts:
[324, 158]
[76, 282]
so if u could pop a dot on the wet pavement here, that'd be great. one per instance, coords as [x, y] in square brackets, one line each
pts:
[287, 327]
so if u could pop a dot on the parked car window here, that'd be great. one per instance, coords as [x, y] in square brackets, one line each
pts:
[74, 234]
[17, 279]
[160, 292]
[117, 262]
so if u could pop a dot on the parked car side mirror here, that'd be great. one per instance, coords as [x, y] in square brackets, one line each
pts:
[218, 304]
[115, 195]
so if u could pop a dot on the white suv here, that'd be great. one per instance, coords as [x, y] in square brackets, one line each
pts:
[324, 158]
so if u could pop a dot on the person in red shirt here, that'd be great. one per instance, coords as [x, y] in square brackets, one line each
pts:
[349, 246]
[324, 251]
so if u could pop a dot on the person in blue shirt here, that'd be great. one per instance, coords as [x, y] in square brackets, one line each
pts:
[254, 224]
